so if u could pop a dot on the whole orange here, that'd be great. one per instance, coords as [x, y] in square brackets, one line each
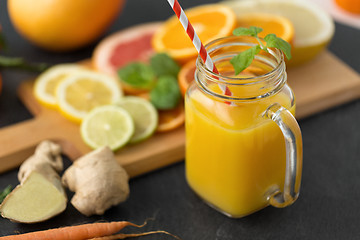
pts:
[62, 25]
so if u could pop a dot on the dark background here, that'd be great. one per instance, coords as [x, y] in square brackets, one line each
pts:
[328, 206]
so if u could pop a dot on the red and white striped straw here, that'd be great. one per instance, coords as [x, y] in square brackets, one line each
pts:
[196, 41]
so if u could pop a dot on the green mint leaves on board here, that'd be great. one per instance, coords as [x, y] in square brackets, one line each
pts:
[5, 192]
[159, 77]
[138, 75]
[20, 63]
[244, 59]
[166, 93]
[163, 64]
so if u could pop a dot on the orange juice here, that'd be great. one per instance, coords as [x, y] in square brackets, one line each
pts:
[237, 159]
[232, 160]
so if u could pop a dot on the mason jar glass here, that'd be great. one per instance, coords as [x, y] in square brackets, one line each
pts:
[244, 150]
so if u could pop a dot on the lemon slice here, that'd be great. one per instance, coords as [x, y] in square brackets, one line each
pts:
[110, 126]
[144, 115]
[45, 83]
[314, 28]
[82, 91]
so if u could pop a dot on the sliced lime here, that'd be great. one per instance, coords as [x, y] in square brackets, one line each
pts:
[109, 126]
[144, 115]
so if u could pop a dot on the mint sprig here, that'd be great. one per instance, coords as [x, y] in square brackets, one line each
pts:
[138, 75]
[162, 64]
[159, 77]
[243, 60]
[20, 63]
[166, 93]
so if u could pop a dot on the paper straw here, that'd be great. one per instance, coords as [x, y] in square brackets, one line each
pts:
[196, 41]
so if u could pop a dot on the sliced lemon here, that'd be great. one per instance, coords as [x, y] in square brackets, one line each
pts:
[144, 115]
[110, 126]
[314, 28]
[82, 91]
[45, 83]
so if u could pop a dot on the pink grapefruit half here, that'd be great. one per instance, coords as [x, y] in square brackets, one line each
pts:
[123, 47]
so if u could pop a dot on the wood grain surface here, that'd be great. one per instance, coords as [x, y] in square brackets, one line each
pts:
[319, 85]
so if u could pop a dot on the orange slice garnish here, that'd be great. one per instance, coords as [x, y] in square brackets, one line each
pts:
[210, 21]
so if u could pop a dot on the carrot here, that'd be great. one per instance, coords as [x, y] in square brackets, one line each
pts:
[128, 235]
[79, 232]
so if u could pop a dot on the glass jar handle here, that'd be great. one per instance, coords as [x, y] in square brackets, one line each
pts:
[293, 141]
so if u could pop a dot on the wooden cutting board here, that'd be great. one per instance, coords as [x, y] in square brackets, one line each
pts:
[319, 85]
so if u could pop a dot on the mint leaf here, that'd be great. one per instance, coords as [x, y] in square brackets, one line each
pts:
[138, 75]
[20, 63]
[273, 41]
[166, 93]
[252, 31]
[244, 59]
[163, 64]
[5, 192]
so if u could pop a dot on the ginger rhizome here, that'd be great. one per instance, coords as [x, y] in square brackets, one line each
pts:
[98, 180]
[40, 194]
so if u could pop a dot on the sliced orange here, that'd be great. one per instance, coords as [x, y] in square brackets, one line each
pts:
[210, 21]
[270, 23]
[171, 119]
[186, 76]
[314, 28]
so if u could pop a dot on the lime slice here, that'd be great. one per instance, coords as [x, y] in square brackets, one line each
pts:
[110, 126]
[144, 115]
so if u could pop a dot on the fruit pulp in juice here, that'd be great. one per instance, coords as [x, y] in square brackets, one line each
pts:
[235, 158]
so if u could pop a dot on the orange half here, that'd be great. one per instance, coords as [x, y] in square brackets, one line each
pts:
[210, 21]
[171, 119]
[186, 76]
[279, 25]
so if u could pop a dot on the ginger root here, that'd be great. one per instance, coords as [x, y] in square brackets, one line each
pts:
[40, 195]
[98, 180]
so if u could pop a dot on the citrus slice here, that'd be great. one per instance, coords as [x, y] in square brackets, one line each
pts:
[186, 76]
[110, 126]
[45, 83]
[270, 23]
[82, 91]
[210, 21]
[123, 47]
[171, 119]
[144, 115]
[314, 28]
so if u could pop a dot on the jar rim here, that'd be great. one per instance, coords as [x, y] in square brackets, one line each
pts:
[274, 52]
[275, 78]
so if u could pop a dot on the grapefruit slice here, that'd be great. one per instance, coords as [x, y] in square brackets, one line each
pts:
[120, 48]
